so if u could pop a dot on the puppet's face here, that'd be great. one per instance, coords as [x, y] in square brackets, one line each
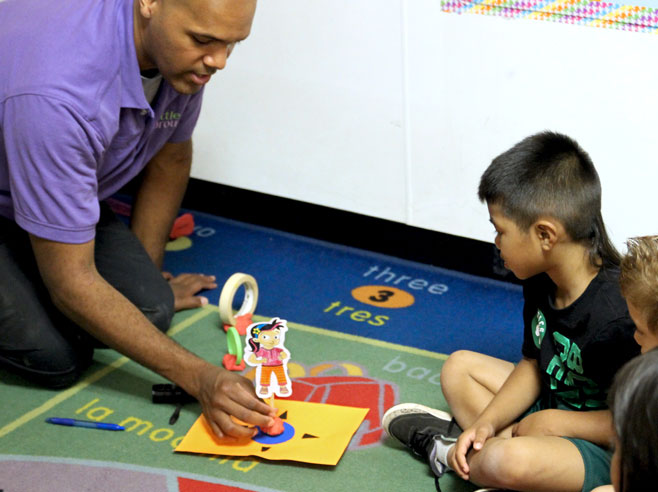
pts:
[269, 339]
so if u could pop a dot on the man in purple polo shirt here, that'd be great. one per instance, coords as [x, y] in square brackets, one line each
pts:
[91, 95]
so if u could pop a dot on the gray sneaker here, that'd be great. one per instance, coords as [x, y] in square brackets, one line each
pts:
[418, 427]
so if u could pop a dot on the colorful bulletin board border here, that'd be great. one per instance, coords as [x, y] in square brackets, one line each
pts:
[580, 12]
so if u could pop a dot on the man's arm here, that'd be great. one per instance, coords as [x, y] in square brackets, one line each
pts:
[159, 197]
[78, 290]
[156, 205]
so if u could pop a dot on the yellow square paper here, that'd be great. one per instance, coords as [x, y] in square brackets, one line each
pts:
[314, 433]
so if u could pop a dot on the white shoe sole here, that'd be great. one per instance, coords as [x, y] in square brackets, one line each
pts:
[406, 408]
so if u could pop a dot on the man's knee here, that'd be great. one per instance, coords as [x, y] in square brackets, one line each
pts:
[60, 380]
[53, 366]
[160, 315]
[159, 306]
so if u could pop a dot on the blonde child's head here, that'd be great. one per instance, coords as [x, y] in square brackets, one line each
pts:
[639, 285]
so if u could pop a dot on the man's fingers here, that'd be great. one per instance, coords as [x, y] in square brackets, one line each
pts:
[215, 428]
[226, 394]
[186, 285]
[190, 303]
[225, 428]
[250, 409]
[193, 282]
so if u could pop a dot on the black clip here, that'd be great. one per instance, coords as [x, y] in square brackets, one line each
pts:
[170, 393]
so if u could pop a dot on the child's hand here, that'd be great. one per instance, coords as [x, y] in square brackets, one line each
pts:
[473, 437]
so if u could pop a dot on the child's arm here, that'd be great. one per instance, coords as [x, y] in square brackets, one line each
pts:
[594, 426]
[518, 393]
[604, 488]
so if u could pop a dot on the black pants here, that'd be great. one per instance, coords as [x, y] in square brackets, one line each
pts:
[39, 342]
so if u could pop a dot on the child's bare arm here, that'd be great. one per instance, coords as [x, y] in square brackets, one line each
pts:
[518, 393]
[594, 426]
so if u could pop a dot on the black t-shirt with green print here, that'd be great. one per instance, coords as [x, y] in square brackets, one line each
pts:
[579, 348]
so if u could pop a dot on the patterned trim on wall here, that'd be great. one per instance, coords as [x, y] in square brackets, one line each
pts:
[583, 12]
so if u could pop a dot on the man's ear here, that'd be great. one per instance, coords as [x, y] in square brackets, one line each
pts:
[546, 232]
[146, 7]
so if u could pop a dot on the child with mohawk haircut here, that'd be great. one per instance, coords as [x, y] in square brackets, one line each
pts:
[541, 424]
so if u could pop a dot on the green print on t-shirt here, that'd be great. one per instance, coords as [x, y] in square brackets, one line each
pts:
[566, 367]
[538, 328]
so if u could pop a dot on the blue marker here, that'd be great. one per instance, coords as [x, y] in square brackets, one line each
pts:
[85, 423]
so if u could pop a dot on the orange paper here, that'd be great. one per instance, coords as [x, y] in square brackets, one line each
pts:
[314, 433]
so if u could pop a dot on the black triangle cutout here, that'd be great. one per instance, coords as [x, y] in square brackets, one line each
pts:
[309, 436]
[265, 448]
[284, 415]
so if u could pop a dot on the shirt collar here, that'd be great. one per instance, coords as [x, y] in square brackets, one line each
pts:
[132, 93]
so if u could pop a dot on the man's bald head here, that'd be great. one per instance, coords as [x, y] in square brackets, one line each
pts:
[188, 40]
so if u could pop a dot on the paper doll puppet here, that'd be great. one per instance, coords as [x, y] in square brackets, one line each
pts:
[265, 351]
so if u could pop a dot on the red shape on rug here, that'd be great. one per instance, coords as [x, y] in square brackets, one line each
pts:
[352, 391]
[190, 485]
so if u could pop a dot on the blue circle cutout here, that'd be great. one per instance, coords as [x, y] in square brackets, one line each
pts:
[286, 435]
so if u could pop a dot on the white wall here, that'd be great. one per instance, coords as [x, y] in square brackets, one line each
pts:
[393, 108]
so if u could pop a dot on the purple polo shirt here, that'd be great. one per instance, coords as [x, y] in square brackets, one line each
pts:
[75, 125]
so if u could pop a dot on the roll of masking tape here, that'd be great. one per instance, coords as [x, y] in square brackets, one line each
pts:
[249, 302]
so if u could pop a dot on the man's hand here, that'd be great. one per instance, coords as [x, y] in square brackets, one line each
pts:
[186, 285]
[224, 393]
[473, 437]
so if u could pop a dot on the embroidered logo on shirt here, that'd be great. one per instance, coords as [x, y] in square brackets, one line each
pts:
[169, 119]
[538, 328]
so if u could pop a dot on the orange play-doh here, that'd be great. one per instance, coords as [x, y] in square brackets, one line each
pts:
[275, 429]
